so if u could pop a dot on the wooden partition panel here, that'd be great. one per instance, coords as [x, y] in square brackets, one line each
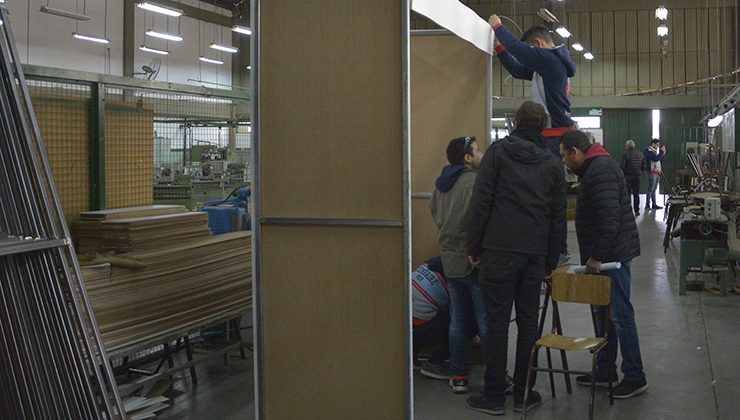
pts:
[450, 97]
[332, 200]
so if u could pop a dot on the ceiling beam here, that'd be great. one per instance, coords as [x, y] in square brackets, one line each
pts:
[199, 14]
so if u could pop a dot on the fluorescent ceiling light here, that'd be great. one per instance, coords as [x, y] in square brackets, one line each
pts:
[662, 31]
[160, 9]
[223, 48]
[661, 13]
[547, 15]
[90, 38]
[163, 35]
[588, 56]
[64, 13]
[153, 50]
[210, 60]
[242, 30]
[563, 32]
[577, 47]
[249, 67]
[716, 121]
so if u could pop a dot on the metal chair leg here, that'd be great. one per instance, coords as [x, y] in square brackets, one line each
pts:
[611, 372]
[526, 384]
[549, 366]
[593, 388]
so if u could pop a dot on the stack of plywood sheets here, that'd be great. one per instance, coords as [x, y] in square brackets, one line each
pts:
[89, 227]
[152, 232]
[182, 288]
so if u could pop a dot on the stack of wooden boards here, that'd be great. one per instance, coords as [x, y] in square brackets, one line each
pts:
[187, 283]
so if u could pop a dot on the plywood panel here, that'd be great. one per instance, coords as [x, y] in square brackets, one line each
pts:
[597, 47]
[583, 65]
[703, 42]
[449, 84]
[334, 323]
[620, 50]
[678, 47]
[335, 123]
[645, 27]
[632, 59]
[609, 34]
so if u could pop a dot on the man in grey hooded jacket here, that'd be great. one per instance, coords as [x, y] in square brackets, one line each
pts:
[450, 205]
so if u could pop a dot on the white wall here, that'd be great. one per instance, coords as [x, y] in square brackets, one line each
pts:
[50, 42]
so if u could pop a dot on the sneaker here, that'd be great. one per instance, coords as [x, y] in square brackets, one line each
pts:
[431, 370]
[656, 207]
[637, 213]
[585, 380]
[459, 384]
[533, 400]
[564, 258]
[486, 405]
[509, 384]
[628, 389]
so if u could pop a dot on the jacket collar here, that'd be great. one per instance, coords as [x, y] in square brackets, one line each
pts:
[594, 151]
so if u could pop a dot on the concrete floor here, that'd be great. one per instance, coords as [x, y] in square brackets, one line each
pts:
[690, 348]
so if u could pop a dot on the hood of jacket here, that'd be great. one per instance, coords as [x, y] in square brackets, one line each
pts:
[561, 52]
[595, 151]
[449, 176]
[527, 146]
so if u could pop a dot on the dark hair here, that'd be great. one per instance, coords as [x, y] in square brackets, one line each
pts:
[531, 115]
[576, 139]
[537, 31]
[458, 148]
[653, 141]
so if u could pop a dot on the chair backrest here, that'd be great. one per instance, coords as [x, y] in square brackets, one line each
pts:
[581, 288]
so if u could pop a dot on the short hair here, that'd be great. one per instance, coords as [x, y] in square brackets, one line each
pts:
[537, 31]
[531, 115]
[576, 139]
[458, 148]
[653, 141]
[630, 144]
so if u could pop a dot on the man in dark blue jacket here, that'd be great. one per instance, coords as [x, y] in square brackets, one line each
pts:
[515, 231]
[536, 58]
[607, 232]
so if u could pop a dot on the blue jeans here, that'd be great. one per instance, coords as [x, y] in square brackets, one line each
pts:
[466, 309]
[622, 328]
[652, 184]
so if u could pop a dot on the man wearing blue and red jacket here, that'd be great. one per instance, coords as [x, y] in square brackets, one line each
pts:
[536, 58]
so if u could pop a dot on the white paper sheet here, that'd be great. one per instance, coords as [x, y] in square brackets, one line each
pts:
[458, 19]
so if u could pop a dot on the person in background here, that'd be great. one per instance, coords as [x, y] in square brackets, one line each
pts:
[450, 205]
[654, 155]
[632, 163]
[430, 302]
[516, 228]
[535, 57]
[607, 232]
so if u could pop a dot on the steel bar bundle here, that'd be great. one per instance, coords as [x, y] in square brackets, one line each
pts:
[52, 360]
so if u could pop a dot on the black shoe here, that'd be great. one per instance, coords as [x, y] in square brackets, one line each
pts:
[628, 389]
[647, 207]
[657, 208]
[533, 400]
[585, 380]
[637, 212]
[485, 405]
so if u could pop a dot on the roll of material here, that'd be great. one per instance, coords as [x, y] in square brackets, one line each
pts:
[458, 19]
[581, 269]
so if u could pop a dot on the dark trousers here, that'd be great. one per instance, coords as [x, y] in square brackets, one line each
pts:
[553, 144]
[633, 188]
[433, 333]
[510, 279]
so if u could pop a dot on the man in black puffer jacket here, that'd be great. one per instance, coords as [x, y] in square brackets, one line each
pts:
[632, 162]
[607, 232]
[517, 221]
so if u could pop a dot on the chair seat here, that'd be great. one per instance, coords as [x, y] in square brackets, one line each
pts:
[560, 342]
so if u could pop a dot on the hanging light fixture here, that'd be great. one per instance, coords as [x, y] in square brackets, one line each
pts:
[90, 38]
[162, 35]
[661, 13]
[153, 50]
[223, 48]
[577, 47]
[662, 31]
[210, 60]
[64, 13]
[563, 32]
[588, 56]
[242, 30]
[160, 9]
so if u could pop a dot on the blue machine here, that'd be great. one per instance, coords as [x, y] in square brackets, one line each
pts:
[229, 215]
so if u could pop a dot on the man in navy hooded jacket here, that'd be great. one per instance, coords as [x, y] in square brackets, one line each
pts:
[536, 58]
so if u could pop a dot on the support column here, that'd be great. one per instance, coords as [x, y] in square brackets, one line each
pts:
[97, 146]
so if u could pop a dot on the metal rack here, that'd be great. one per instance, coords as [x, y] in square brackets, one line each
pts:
[53, 361]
